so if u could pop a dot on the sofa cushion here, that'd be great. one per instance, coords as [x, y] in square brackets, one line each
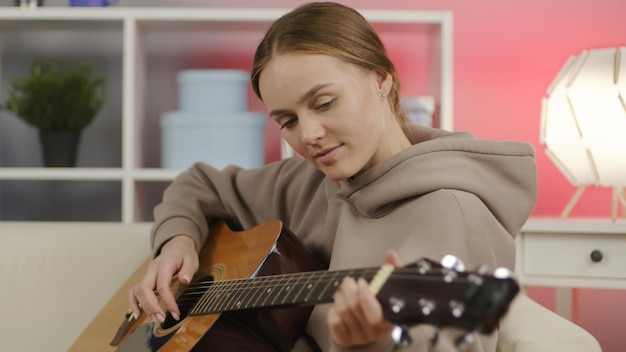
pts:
[530, 327]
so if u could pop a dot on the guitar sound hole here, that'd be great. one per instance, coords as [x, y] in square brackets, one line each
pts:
[187, 296]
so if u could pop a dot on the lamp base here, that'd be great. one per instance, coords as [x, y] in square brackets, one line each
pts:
[619, 197]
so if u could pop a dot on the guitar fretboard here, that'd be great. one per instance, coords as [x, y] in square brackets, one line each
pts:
[297, 289]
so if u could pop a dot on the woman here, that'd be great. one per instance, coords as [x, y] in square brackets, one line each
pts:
[369, 186]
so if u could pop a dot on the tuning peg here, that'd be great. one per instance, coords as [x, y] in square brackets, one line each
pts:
[476, 277]
[453, 263]
[457, 308]
[423, 266]
[451, 267]
[427, 306]
[396, 304]
[465, 341]
[481, 270]
[400, 335]
[502, 273]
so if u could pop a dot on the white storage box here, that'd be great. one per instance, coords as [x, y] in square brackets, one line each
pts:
[218, 139]
[219, 90]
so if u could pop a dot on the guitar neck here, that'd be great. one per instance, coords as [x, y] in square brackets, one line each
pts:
[299, 289]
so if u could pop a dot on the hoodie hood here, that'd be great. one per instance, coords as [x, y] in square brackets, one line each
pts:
[501, 173]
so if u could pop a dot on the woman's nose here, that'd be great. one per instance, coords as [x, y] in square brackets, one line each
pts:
[311, 129]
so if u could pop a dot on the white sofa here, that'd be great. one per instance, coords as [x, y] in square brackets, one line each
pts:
[56, 277]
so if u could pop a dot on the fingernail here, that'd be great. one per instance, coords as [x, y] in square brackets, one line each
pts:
[157, 318]
[361, 283]
[175, 316]
[186, 278]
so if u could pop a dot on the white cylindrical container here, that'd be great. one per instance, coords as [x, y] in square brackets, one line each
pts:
[217, 139]
[216, 90]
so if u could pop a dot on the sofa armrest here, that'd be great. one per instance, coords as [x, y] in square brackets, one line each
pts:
[57, 276]
[530, 327]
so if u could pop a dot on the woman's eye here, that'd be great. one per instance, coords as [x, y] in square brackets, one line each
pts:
[290, 122]
[325, 106]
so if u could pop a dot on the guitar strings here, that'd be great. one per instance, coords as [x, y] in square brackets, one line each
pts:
[200, 287]
[210, 292]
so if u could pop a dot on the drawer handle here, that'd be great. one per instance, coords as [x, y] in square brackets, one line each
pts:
[596, 256]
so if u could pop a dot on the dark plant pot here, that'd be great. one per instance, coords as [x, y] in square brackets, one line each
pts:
[59, 148]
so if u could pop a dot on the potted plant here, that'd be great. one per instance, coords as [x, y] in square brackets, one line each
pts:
[60, 101]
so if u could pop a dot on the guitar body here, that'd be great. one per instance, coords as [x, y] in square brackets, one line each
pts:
[267, 249]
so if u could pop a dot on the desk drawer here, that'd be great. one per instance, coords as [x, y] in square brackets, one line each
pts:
[571, 255]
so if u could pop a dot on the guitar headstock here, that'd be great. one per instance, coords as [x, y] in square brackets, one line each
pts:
[445, 295]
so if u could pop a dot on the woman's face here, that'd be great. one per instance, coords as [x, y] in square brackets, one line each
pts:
[331, 112]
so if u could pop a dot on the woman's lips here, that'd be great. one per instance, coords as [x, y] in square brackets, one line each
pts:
[327, 156]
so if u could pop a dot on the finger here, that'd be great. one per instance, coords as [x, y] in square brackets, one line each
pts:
[392, 258]
[139, 296]
[148, 301]
[372, 312]
[133, 303]
[338, 330]
[188, 269]
[344, 326]
[351, 313]
[164, 288]
[369, 305]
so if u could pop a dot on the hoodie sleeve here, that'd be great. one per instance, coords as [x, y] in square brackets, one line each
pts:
[242, 197]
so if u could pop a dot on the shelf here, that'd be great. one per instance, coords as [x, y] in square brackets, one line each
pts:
[215, 15]
[155, 174]
[132, 45]
[34, 173]
[86, 174]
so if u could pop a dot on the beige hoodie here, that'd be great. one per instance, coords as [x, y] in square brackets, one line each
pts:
[448, 194]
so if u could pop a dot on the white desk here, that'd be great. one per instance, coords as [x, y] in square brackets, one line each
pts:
[572, 253]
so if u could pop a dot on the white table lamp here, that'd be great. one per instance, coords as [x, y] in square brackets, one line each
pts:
[583, 123]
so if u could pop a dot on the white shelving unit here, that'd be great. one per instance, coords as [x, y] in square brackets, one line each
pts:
[136, 23]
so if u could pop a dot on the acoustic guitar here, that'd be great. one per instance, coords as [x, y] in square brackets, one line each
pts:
[255, 290]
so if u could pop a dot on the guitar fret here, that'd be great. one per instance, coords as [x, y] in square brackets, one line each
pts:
[264, 291]
[224, 293]
[212, 298]
[312, 287]
[238, 291]
[284, 291]
[334, 282]
[293, 290]
[251, 292]
[303, 285]
[274, 282]
[200, 302]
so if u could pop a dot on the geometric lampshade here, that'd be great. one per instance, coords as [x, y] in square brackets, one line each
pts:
[583, 121]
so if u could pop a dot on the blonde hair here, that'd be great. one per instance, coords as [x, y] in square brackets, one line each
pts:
[330, 29]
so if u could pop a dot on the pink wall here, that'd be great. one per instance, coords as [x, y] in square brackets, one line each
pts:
[506, 53]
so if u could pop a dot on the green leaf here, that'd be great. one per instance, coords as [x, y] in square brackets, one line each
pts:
[57, 97]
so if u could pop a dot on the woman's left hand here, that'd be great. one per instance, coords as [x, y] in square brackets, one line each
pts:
[356, 317]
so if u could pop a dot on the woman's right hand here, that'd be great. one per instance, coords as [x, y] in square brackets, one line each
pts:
[178, 257]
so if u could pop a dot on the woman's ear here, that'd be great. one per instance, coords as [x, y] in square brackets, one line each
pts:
[385, 81]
